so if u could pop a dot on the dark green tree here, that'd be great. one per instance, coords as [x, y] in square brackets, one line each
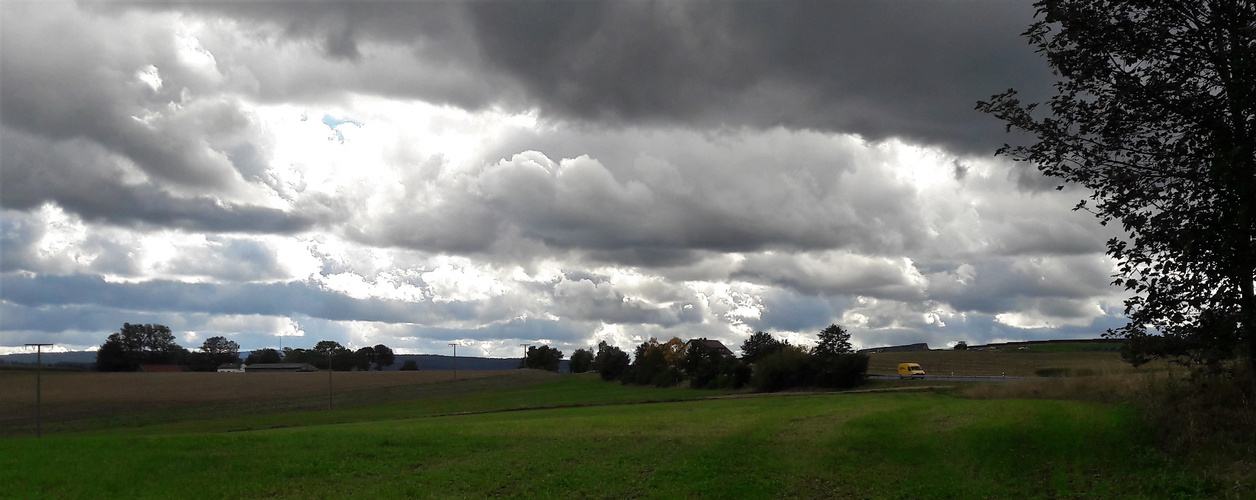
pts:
[219, 350]
[409, 366]
[342, 359]
[759, 345]
[833, 340]
[701, 365]
[543, 358]
[299, 355]
[134, 345]
[381, 356]
[611, 362]
[581, 361]
[362, 358]
[652, 364]
[266, 355]
[113, 357]
[1155, 113]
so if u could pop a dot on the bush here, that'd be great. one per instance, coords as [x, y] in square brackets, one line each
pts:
[787, 368]
[409, 366]
[1211, 410]
[734, 374]
[841, 371]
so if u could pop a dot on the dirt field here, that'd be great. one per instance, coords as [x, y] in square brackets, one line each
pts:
[134, 387]
[86, 400]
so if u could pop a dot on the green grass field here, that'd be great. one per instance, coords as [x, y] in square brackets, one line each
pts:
[599, 440]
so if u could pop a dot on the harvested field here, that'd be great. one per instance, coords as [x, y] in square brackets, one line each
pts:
[1015, 363]
[89, 400]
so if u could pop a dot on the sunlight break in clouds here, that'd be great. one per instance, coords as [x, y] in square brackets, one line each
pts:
[441, 175]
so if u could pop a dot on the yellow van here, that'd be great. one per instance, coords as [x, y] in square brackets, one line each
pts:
[912, 370]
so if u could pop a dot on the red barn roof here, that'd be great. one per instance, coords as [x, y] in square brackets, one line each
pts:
[713, 344]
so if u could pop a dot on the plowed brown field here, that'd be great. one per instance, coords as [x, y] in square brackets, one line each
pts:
[87, 400]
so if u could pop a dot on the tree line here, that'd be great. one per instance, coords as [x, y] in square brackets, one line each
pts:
[153, 344]
[767, 364]
[341, 358]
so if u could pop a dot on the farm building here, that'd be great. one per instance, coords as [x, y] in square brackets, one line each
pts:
[231, 368]
[279, 367]
[714, 344]
[897, 348]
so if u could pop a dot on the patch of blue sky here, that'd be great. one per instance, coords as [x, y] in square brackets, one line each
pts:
[334, 123]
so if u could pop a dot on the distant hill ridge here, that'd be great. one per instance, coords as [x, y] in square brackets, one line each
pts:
[921, 346]
[424, 361]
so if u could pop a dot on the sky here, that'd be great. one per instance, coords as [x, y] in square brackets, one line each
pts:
[493, 174]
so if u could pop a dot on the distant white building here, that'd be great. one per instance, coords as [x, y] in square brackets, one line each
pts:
[231, 368]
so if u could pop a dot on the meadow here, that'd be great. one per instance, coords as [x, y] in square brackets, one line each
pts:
[579, 437]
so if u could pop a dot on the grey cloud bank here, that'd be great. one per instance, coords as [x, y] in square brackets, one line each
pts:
[498, 173]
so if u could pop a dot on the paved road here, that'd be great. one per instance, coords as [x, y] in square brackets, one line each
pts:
[948, 378]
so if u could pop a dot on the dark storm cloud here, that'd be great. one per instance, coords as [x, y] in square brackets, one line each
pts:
[279, 299]
[86, 320]
[588, 300]
[689, 170]
[575, 301]
[83, 130]
[786, 310]
[1062, 286]
[879, 69]
[558, 331]
[83, 84]
[17, 237]
[86, 179]
[437, 49]
[841, 274]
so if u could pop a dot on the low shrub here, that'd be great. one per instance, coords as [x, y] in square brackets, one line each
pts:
[841, 371]
[1210, 409]
[1110, 388]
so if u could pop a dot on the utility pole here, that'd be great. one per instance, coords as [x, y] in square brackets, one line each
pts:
[455, 344]
[39, 375]
[329, 379]
[524, 362]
